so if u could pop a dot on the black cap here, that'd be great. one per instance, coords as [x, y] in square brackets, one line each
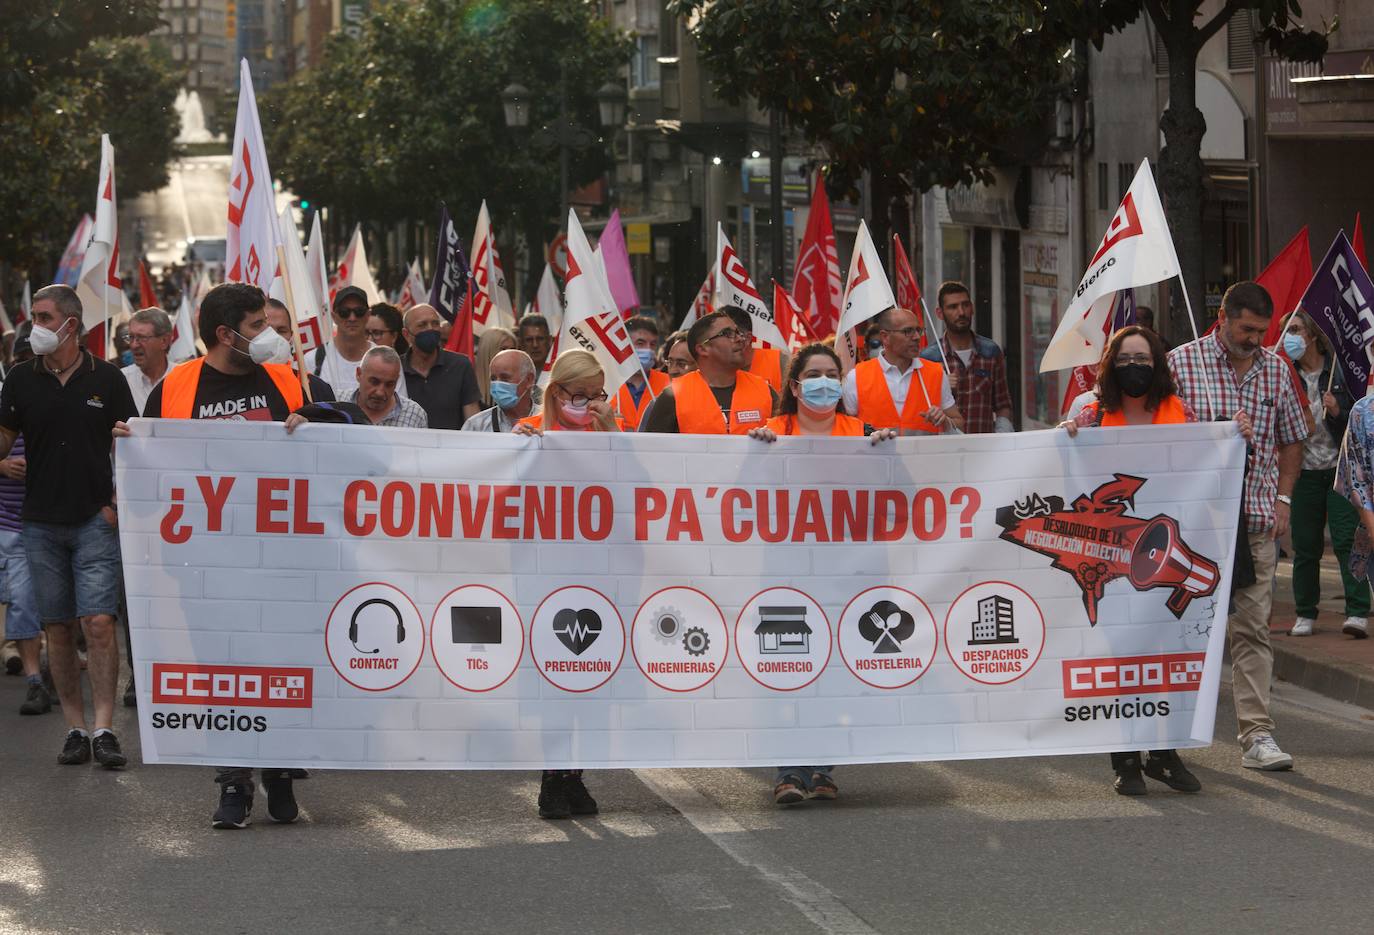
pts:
[349, 292]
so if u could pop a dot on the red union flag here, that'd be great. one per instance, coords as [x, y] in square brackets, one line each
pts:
[1135, 251]
[791, 321]
[591, 320]
[250, 244]
[816, 285]
[908, 291]
[734, 287]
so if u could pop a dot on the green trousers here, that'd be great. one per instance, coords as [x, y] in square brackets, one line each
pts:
[1315, 507]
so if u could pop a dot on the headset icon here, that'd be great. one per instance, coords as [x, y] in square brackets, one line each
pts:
[353, 623]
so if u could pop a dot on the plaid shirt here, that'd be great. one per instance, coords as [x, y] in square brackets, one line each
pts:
[406, 414]
[981, 385]
[1267, 395]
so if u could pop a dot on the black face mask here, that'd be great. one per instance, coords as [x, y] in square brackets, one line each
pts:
[428, 341]
[1135, 379]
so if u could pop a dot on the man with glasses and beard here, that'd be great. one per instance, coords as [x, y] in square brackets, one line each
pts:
[718, 398]
[977, 366]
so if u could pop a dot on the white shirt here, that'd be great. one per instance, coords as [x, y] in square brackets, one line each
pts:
[342, 374]
[482, 421]
[898, 384]
[139, 384]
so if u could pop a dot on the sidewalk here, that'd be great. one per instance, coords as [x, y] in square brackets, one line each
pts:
[1327, 662]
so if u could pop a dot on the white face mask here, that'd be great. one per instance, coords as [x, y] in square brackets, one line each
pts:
[43, 341]
[267, 348]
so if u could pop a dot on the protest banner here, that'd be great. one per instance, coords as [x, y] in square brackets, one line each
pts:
[352, 597]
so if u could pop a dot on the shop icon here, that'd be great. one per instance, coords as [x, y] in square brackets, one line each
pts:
[783, 631]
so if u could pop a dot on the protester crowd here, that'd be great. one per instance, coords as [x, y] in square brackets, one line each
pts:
[62, 578]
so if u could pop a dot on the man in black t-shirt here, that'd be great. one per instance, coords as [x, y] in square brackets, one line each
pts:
[65, 402]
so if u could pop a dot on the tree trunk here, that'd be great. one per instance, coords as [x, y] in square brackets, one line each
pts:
[880, 212]
[1183, 126]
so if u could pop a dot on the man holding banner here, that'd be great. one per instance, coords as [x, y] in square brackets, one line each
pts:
[1224, 373]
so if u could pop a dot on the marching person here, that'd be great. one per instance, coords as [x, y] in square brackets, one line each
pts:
[643, 386]
[1317, 507]
[1135, 387]
[492, 342]
[384, 326]
[767, 362]
[535, 339]
[65, 403]
[574, 401]
[376, 395]
[897, 389]
[719, 397]
[336, 363]
[677, 360]
[512, 392]
[978, 368]
[279, 320]
[441, 381]
[810, 406]
[150, 338]
[235, 380]
[1225, 372]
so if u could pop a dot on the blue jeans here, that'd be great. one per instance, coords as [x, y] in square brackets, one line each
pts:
[75, 568]
[16, 589]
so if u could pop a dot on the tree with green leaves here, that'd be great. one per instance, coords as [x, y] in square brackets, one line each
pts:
[410, 113]
[916, 94]
[1184, 29]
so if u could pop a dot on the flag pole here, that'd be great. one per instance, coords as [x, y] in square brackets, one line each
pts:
[1197, 344]
[295, 327]
[939, 344]
[109, 338]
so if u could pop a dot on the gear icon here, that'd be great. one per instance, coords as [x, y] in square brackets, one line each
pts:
[667, 625]
[695, 641]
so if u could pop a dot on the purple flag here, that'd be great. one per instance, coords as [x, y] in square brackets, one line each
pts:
[617, 260]
[1338, 300]
[451, 269]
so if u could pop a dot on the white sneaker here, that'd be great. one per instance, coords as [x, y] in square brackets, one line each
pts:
[1263, 753]
[1302, 627]
[1357, 627]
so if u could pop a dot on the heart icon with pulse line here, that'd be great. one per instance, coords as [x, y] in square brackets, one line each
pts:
[577, 629]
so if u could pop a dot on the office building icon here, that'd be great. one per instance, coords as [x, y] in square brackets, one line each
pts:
[995, 623]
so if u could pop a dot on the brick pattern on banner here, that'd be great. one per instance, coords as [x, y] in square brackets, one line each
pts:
[311, 587]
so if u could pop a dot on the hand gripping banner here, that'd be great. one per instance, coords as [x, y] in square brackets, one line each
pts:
[365, 598]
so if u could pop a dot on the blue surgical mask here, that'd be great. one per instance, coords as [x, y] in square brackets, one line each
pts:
[646, 357]
[1294, 345]
[506, 395]
[820, 393]
[126, 358]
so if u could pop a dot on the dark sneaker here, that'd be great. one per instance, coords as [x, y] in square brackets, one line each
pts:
[131, 695]
[281, 798]
[1168, 768]
[13, 664]
[107, 753]
[553, 798]
[790, 790]
[76, 750]
[235, 804]
[580, 801]
[823, 787]
[36, 701]
[1128, 778]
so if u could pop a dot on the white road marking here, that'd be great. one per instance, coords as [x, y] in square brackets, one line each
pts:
[825, 910]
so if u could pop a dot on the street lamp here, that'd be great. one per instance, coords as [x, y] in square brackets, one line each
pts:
[516, 101]
[610, 100]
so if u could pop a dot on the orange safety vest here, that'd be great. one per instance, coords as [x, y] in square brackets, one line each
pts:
[537, 420]
[844, 425]
[767, 364]
[698, 413]
[179, 387]
[631, 414]
[875, 399]
[1169, 412]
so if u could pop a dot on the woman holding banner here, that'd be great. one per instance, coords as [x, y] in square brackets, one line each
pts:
[1136, 387]
[809, 405]
[1316, 506]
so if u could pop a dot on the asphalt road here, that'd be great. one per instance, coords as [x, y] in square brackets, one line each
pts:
[193, 203]
[1028, 845]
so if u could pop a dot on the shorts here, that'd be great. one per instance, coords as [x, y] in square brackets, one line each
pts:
[75, 568]
[16, 589]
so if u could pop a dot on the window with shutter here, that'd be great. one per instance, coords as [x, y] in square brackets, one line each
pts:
[1240, 41]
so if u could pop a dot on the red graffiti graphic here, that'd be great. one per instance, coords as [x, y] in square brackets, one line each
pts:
[1096, 542]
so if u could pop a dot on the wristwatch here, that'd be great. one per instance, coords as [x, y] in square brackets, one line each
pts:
[1285, 499]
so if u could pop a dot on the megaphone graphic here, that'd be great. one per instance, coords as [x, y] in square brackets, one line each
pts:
[1160, 559]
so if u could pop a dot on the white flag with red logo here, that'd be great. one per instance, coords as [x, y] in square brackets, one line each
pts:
[701, 305]
[734, 287]
[100, 289]
[591, 319]
[183, 332]
[549, 304]
[250, 244]
[354, 271]
[816, 284]
[867, 294]
[413, 290]
[491, 305]
[319, 271]
[309, 324]
[1136, 251]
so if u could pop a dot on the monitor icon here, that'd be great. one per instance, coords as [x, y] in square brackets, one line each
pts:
[479, 627]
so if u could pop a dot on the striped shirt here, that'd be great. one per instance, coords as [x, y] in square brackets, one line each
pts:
[405, 414]
[1266, 393]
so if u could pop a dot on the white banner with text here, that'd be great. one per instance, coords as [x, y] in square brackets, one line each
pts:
[364, 598]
